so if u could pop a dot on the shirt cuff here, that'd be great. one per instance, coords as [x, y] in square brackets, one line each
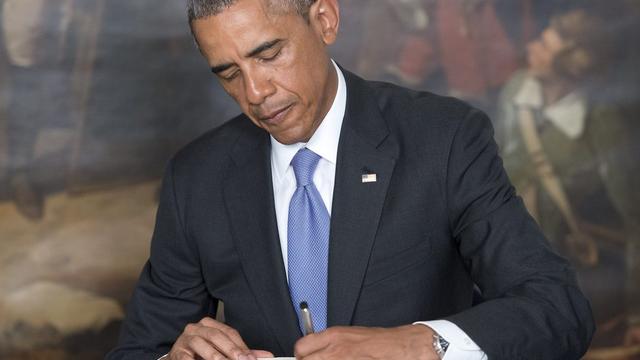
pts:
[460, 344]
[165, 355]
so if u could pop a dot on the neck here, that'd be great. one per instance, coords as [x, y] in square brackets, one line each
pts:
[554, 90]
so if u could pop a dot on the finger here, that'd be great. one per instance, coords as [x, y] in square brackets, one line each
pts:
[312, 343]
[227, 330]
[222, 343]
[181, 354]
[203, 348]
[262, 354]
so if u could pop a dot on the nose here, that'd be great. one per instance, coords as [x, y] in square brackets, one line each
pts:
[258, 86]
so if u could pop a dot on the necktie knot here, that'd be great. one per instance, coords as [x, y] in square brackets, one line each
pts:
[304, 165]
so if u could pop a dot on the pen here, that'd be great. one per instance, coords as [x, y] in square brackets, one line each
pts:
[306, 318]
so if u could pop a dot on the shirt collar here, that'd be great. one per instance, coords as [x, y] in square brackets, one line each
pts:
[567, 114]
[324, 141]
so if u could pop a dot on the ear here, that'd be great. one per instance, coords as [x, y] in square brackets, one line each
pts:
[324, 17]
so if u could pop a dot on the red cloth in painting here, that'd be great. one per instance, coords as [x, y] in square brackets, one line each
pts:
[416, 57]
[476, 53]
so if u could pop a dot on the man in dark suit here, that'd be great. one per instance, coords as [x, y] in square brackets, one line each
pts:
[410, 208]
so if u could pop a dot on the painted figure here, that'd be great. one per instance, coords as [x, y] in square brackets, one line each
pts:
[35, 38]
[570, 152]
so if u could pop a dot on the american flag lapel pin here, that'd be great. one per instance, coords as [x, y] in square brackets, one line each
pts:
[369, 178]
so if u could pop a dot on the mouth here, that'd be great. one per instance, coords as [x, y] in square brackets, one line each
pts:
[276, 116]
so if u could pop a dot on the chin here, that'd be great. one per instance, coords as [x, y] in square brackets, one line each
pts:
[283, 139]
[289, 139]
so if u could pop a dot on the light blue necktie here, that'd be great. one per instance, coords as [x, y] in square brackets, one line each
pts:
[308, 241]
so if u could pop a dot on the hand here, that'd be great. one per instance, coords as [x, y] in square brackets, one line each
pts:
[212, 340]
[404, 342]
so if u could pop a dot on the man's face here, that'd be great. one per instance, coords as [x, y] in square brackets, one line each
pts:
[273, 63]
[541, 53]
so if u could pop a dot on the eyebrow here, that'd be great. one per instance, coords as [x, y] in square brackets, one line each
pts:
[259, 49]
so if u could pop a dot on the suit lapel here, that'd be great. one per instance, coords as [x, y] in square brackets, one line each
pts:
[249, 200]
[364, 148]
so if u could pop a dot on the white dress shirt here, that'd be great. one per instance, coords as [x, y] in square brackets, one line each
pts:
[324, 142]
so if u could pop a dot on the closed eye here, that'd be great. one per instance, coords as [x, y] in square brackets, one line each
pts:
[270, 57]
[231, 77]
[228, 73]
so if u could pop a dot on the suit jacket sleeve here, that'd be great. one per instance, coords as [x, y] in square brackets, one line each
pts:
[170, 283]
[532, 305]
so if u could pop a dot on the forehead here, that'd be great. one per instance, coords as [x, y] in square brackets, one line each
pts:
[552, 38]
[241, 26]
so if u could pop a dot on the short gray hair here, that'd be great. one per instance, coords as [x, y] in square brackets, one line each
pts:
[200, 9]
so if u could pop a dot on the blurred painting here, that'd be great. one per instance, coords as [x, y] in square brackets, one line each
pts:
[96, 95]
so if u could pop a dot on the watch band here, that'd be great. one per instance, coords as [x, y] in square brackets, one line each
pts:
[440, 345]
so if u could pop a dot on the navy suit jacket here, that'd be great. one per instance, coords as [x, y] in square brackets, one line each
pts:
[441, 218]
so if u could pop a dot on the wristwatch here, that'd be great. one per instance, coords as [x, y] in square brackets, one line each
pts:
[440, 345]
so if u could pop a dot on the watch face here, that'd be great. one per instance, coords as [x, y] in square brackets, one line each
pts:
[444, 344]
[440, 345]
